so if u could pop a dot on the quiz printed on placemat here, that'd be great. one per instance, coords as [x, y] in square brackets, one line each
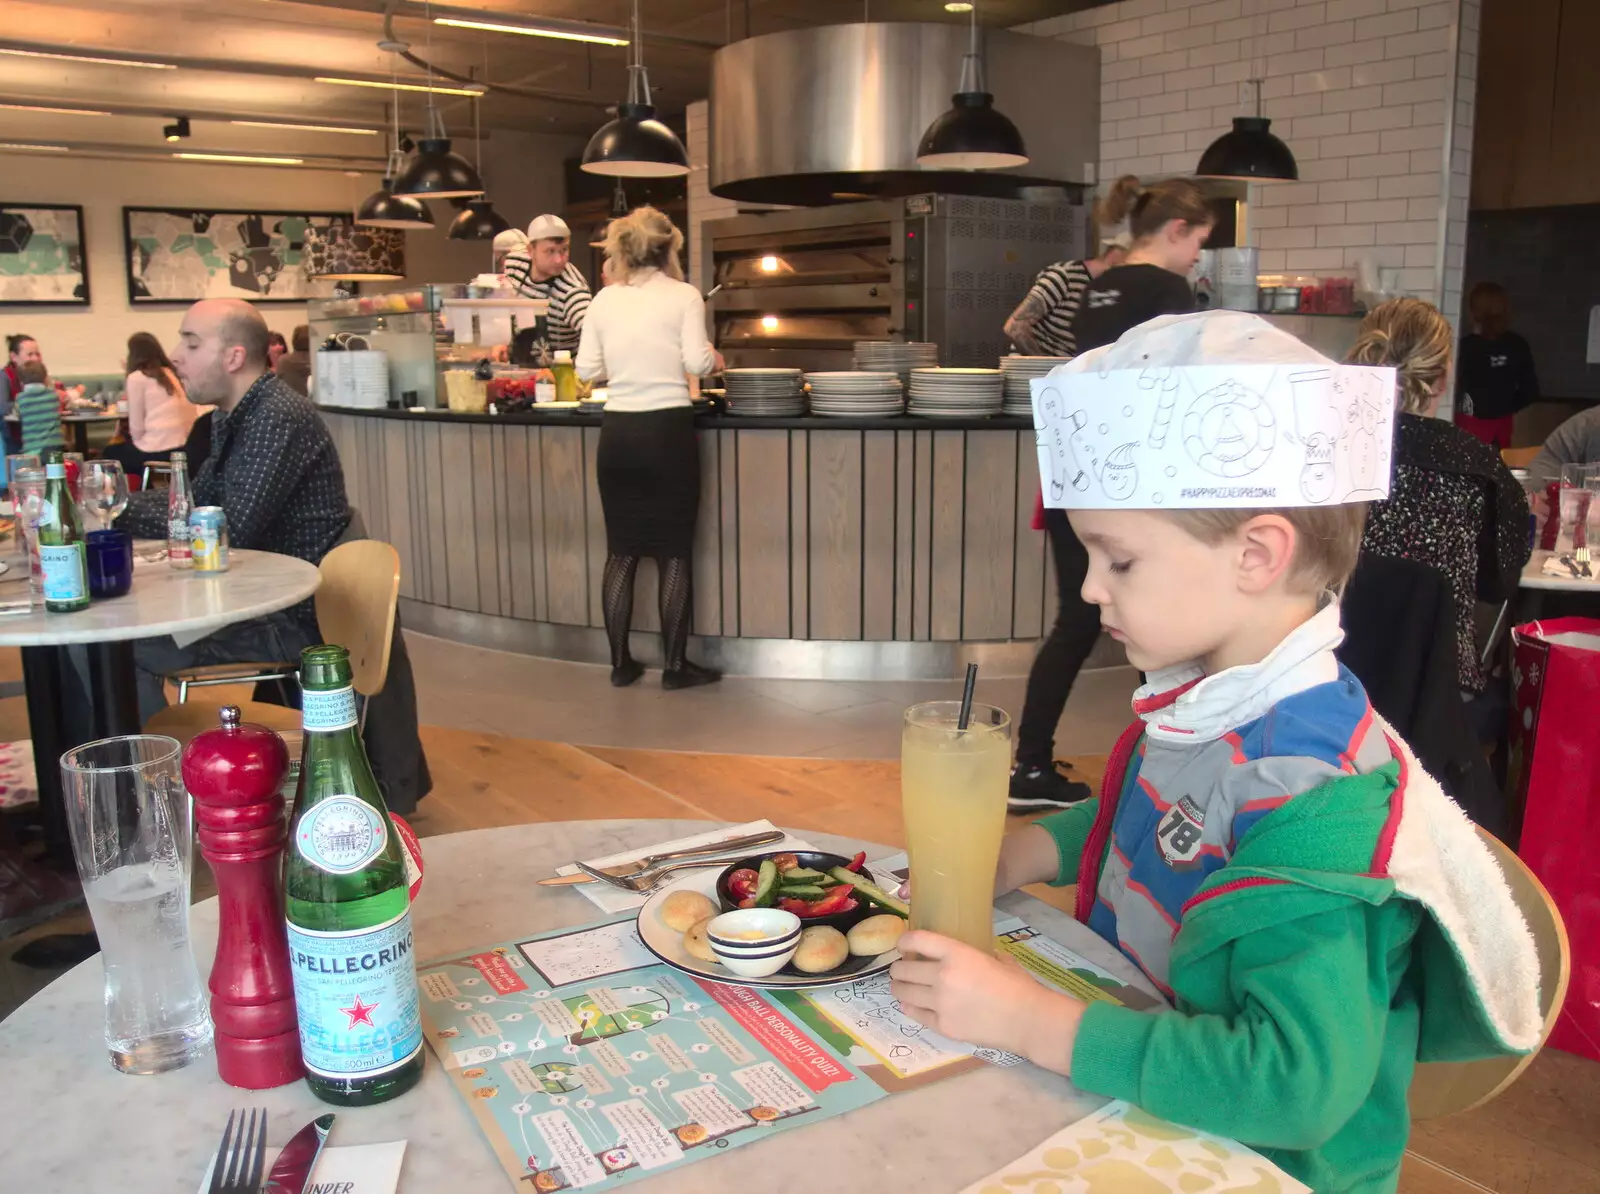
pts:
[588, 1063]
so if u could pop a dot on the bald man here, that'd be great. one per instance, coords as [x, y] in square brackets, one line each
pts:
[273, 469]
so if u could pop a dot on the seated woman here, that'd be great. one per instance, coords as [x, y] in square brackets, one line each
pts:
[160, 416]
[1452, 504]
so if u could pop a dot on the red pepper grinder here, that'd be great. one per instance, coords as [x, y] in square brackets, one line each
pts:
[234, 774]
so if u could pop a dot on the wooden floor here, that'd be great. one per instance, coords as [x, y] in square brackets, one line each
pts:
[1541, 1137]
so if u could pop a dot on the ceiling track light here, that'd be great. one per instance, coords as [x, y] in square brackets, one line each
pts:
[249, 158]
[598, 39]
[636, 144]
[97, 59]
[304, 128]
[54, 111]
[177, 130]
[430, 88]
[972, 135]
[24, 147]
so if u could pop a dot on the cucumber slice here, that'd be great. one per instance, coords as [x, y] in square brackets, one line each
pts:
[767, 884]
[872, 893]
[801, 891]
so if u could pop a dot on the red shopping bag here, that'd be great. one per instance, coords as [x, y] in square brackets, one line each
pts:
[1555, 780]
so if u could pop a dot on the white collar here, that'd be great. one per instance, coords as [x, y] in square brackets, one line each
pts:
[1183, 704]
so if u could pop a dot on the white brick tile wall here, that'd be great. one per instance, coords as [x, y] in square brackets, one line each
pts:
[1369, 94]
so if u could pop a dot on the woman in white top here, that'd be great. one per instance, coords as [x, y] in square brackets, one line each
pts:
[160, 416]
[646, 334]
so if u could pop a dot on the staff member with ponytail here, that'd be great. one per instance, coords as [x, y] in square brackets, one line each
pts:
[1168, 224]
[645, 331]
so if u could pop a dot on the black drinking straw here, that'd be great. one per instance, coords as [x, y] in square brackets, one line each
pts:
[966, 697]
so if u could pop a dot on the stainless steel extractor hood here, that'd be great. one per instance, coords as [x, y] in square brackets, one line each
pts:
[833, 114]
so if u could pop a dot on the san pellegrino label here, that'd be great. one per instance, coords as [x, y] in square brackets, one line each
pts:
[341, 835]
[333, 709]
[64, 571]
[356, 997]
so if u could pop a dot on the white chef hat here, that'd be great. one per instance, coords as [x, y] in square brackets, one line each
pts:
[548, 227]
[1213, 410]
[510, 241]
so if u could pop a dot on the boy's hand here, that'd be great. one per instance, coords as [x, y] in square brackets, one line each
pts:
[984, 1000]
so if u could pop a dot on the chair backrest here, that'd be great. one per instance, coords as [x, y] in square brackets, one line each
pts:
[356, 605]
[1519, 457]
[1446, 1087]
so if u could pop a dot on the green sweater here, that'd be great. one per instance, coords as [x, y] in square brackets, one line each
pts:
[1299, 996]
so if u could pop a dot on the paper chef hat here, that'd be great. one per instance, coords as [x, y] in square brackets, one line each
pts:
[1219, 409]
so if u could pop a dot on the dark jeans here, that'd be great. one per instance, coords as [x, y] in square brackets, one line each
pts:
[276, 638]
[1068, 645]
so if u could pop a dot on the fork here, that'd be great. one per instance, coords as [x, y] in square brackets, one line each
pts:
[239, 1171]
[637, 868]
[647, 879]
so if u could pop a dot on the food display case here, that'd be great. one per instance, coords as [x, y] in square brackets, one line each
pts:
[394, 349]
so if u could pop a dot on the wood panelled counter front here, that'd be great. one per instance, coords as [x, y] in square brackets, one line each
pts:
[811, 530]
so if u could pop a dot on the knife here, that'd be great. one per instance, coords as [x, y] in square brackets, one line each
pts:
[747, 842]
[291, 1172]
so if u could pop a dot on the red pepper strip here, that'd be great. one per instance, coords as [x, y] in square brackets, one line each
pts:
[856, 863]
[833, 902]
[798, 907]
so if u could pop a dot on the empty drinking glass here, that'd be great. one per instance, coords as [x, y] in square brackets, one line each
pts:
[19, 461]
[132, 837]
[102, 491]
[27, 488]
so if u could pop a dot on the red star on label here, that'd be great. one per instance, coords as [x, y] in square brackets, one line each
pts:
[361, 1013]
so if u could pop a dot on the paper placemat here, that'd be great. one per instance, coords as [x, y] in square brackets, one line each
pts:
[347, 1169]
[614, 899]
[1119, 1147]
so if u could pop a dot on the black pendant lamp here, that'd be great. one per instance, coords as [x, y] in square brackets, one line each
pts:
[636, 144]
[434, 172]
[478, 219]
[1250, 153]
[383, 208]
[972, 135]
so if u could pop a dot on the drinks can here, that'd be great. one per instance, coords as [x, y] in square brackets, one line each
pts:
[208, 533]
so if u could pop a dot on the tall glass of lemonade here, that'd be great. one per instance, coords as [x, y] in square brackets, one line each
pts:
[953, 788]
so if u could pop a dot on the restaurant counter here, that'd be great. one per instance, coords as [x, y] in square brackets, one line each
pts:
[826, 548]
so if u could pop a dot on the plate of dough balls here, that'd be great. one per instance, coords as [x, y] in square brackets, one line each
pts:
[690, 926]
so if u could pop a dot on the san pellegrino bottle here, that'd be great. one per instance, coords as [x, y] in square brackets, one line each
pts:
[62, 565]
[348, 906]
[179, 506]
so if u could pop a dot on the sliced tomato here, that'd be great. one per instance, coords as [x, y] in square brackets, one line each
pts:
[798, 907]
[785, 862]
[742, 883]
[837, 900]
[856, 863]
[748, 902]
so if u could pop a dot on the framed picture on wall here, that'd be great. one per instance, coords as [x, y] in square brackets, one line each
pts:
[41, 256]
[178, 255]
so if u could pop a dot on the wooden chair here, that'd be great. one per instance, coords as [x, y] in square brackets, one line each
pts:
[1446, 1087]
[356, 605]
[1519, 457]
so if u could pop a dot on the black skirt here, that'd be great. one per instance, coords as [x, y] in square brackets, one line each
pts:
[648, 468]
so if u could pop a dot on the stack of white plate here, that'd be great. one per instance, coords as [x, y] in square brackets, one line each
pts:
[1019, 371]
[856, 395]
[895, 356]
[957, 393]
[767, 393]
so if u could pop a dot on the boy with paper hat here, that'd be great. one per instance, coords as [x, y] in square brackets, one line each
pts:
[1265, 848]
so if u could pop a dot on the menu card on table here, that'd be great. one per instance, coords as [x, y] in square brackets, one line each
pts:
[588, 1063]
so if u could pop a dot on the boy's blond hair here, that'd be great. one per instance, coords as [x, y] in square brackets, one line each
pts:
[1327, 538]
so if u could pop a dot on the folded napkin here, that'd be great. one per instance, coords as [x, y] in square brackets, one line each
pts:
[347, 1169]
[614, 899]
[1119, 1147]
[1553, 566]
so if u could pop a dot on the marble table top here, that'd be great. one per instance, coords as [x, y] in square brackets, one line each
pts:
[166, 600]
[1533, 576]
[68, 1121]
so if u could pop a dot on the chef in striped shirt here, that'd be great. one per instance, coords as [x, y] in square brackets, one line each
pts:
[1042, 323]
[542, 270]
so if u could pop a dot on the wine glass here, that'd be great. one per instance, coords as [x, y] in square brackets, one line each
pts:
[103, 491]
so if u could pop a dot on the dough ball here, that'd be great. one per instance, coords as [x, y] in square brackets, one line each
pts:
[697, 943]
[876, 935]
[682, 910]
[822, 947]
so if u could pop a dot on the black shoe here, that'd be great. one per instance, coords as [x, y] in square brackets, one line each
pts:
[1034, 788]
[690, 675]
[626, 673]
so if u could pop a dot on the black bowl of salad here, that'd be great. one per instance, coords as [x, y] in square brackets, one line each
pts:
[819, 888]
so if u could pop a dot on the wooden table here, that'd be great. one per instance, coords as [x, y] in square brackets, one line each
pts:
[68, 1121]
[79, 667]
[79, 425]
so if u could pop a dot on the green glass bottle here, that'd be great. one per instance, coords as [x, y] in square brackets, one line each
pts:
[355, 977]
[63, 568]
